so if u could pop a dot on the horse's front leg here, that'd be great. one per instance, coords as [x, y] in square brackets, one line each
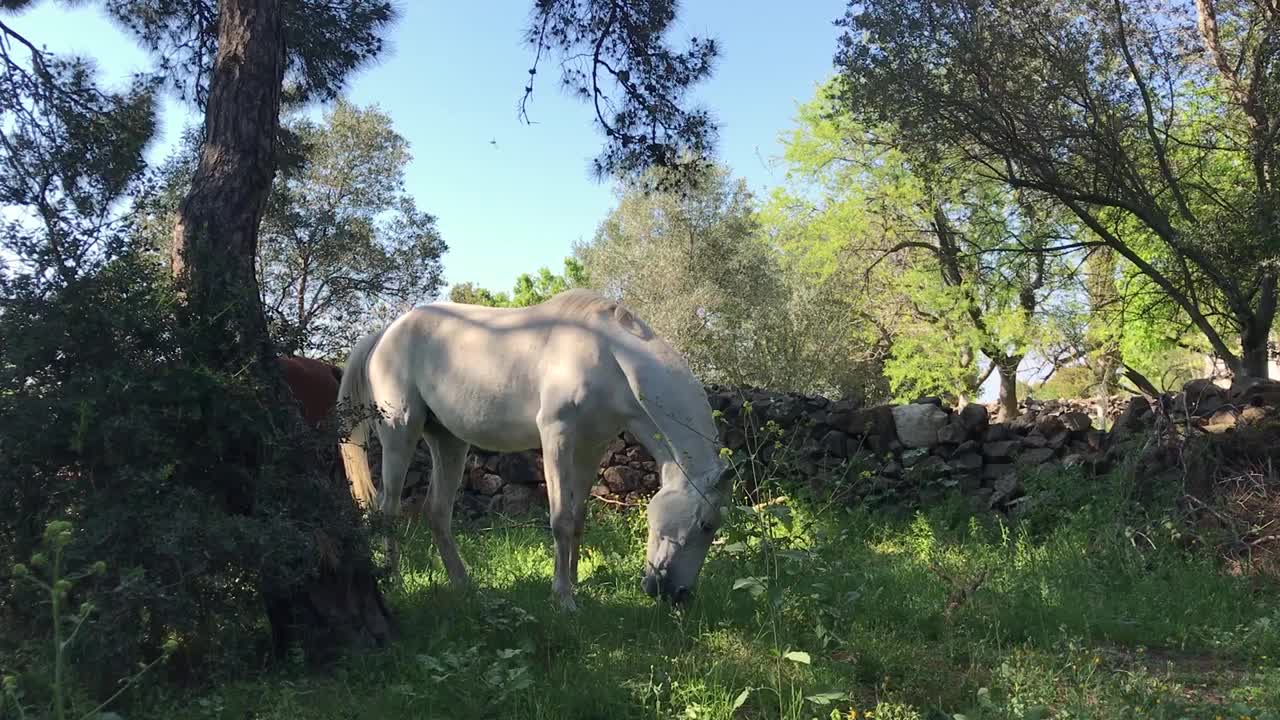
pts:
[566, 500]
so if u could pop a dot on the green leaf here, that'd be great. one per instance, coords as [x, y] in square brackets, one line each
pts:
[752, 585]
[825, 698]
[798, 656]
[741, 699]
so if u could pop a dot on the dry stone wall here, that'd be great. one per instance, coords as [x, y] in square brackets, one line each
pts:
[901, 454]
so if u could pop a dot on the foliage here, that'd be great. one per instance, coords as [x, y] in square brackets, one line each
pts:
[614, 57]
[944, 257]
[528, 290]
[50, 576]
[846, 618]
[115, 436]
[1070, 382]
[343, 247]
[697, 267]
[68, 153]
[1150, 122]
[325, 41]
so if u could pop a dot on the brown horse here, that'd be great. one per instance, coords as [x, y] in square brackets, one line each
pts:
[314, 384]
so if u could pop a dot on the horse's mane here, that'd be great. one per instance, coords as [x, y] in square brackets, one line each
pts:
[582, 303]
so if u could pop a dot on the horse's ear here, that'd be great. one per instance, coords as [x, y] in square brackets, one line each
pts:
[623, 316]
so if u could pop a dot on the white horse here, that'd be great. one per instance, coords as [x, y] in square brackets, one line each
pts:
[568, 375]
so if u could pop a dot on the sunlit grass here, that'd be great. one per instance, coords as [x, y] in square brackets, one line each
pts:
[1073, 620]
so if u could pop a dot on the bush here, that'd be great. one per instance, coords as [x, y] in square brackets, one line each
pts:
[159, 464]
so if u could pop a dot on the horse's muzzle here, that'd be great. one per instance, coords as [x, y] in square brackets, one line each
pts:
[655, 588]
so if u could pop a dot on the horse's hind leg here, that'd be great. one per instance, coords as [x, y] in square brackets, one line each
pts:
[448, 459]
[399, 438]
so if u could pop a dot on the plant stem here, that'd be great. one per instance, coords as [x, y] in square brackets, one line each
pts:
[59, 703]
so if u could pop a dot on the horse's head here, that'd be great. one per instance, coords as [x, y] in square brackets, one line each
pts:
[683, 519]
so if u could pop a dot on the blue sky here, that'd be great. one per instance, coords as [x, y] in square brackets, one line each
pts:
[451, 79]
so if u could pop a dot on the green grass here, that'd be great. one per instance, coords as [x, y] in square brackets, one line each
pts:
[1082, 618]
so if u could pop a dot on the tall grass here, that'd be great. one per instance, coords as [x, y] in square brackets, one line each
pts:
[814, 612]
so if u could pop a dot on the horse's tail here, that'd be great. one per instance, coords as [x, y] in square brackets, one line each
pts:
[353, 396]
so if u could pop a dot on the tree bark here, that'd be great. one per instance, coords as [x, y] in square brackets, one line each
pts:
[213, 257]
[1007, 368]
[1255, 335]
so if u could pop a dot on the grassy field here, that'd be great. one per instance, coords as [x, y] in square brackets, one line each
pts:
[809, 611]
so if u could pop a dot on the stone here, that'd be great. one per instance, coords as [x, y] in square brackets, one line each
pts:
[1261, 392]
[1057, 441]
[966, 462]
[517, 499]
[487, 484]
[1136, 416]
[638, 454]
[1035, 457]
[1074, 460]
[1005, 486]
[954, 432]
[1221, 421]
[968, 446]
[1201, 397]
[1050, 425]
[1024, 422]
[1034, 440]
[874, 424]
[650, 482]
[993, 470]
[911, 457]
[785, 412]
[1001, 449]
[968, 482]
[976, 418]
[997, 432]
[621, 480]
[927, 469]
[835, 443]
[893, 470]
[917, 425]
[1077, 422]
[734, 439]
[519, 469]
[616, 445]
[1253, 414]
[929, 400]
[599, 491]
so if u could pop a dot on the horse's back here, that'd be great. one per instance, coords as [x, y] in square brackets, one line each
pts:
[487, 374]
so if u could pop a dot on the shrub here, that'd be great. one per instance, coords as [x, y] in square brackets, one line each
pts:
[198, 497]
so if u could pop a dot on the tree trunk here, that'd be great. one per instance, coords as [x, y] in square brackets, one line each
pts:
[1007, 368]
[1255, 337]
[1254, 355]
[213, 256]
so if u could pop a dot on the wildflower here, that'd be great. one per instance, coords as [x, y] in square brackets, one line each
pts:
[19, 570]
[170, 646]
[10, 684]
[99, 567]
[39, 560]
